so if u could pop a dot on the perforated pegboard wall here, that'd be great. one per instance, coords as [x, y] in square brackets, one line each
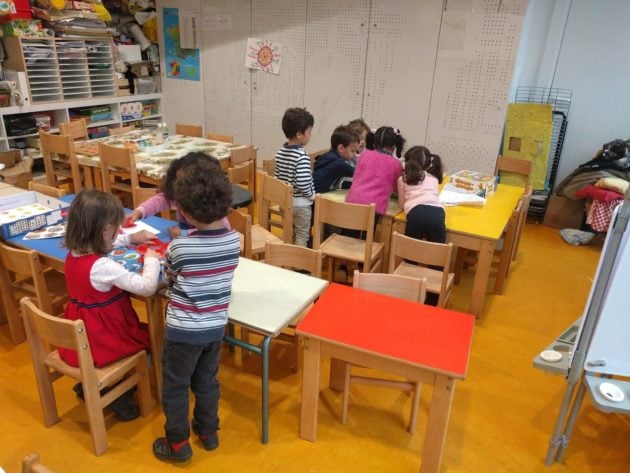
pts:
[402, 45]
[181, 99]
[227, 83]
[336, 45]
[284, 22]
[476, 55]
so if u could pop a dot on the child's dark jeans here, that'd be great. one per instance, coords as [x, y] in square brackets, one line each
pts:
[195, 367]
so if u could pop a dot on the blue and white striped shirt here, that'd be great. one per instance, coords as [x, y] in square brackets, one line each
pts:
[293, 166]
[200, 267]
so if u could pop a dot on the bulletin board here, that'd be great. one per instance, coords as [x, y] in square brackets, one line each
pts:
[475, 61]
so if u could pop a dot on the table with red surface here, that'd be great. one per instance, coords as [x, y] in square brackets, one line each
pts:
[419, 342]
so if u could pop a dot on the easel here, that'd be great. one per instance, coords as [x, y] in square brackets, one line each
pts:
[580, 371]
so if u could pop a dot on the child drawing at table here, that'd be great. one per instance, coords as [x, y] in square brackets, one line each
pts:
[336, 164]
[98, 287]
[378, 170]
[293, 166]
[199, 268]
[419, 195]
[165, 200]
[359, 126]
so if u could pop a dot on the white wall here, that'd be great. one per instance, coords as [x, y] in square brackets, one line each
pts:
[580, 45]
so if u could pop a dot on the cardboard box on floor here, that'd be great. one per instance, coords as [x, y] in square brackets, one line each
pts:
[563, 212]
[17, 170]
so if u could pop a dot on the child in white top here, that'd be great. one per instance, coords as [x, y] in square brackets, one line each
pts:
[418, 195]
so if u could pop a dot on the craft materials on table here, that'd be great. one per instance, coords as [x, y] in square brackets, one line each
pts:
[132, 256]
[53, 231]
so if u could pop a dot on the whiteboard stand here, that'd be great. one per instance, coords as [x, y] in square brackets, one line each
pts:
[577, 375]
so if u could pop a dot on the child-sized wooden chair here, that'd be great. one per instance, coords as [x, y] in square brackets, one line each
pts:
[219, 137]
[140, 194]
[275, 209]
[245, 174]
[295, 258]
[341, 247]
[393, 285]
[183, 129]
[46, 189]
[405, 251]
[242, 224]
[21, 273]
[76, 129]
[118, 170]
[121, 130]
[31, 464]
[45, 332]
[60, 162]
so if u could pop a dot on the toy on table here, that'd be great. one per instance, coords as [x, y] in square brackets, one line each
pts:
[132, 256]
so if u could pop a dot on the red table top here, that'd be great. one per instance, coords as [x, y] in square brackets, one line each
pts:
[434, 338]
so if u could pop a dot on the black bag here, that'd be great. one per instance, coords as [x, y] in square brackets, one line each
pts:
[20, 124]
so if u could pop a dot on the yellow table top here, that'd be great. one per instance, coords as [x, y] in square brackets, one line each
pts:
[339, 195]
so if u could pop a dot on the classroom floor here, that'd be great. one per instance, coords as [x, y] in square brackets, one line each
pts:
[501, 420]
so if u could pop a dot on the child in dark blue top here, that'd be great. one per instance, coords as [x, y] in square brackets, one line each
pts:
[336, 164]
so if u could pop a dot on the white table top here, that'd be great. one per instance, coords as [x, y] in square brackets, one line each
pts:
[266, 298]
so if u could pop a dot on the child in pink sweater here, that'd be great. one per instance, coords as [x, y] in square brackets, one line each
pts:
[419, 195]
[164, 200]
[377, 170]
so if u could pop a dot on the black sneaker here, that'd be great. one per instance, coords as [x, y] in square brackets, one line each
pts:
[163, 450]
[210, 441]
[124, 408]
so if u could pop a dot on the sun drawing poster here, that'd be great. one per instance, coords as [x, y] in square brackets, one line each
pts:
[264, 55]
[180, 63]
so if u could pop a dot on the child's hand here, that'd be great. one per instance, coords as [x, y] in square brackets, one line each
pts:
[174, 232]
[133, 216]
[141, 237]
[151, 253]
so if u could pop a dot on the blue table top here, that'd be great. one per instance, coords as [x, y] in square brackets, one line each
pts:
[53, 247]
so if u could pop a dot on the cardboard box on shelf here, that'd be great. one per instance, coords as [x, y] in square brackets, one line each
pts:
[140, 69]
[17, 170]
[563, 212]
[28, 211]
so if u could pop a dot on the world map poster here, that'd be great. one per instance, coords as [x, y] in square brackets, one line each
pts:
[180, 63]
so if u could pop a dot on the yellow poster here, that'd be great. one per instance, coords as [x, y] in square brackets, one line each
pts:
[528, 136]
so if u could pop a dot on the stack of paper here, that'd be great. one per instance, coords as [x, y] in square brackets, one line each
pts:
[461, 198]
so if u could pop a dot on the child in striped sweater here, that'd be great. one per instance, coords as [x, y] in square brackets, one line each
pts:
[199, 268]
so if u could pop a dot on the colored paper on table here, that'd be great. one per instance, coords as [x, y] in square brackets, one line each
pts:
[138, 226]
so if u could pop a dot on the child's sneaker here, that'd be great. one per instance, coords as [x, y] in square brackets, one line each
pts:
[124, 408]
[210, 441]
[180, 452]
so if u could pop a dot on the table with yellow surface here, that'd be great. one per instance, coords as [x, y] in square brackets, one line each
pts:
[478, 229]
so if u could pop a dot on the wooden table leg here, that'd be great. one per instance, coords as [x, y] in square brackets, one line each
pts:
[337, 374]
[310, 389]
[155, 318]
[482, 273]
[386, 238]
[439, 412]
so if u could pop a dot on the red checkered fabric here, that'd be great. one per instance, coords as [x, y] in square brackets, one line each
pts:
[598, 216]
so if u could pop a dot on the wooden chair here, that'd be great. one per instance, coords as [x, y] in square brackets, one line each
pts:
[525, 201]
[295, 258]
[140, 194]
[269, 166]
[243, 225]
[522, 167]
[45, 332]
[341, 247]
[21, 273]
[118, 170]
[218, 137]
[76, 129]
[242, 155]
[60, 162]
[188, 130]
[274, 194]
[393, 285]
[316, 154]
[504, 249]
[122, 130]
[31, 464]
[405, 251]
[245, 174]
[46, 189]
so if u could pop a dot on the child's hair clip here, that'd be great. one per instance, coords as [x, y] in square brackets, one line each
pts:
[396, 131]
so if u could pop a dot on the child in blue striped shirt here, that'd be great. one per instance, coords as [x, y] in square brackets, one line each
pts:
[199, 268]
